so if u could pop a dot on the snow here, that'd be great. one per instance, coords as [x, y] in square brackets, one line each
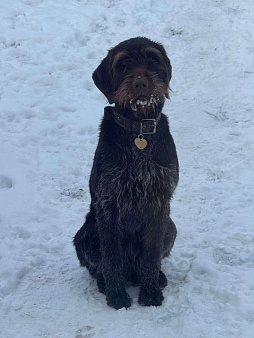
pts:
[50, 111]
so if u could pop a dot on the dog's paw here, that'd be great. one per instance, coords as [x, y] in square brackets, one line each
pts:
[119, 300]
[154, 298]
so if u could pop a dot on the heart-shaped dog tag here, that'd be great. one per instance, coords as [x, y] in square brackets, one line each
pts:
[141, 143]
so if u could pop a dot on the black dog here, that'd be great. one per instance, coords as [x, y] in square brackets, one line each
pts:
[128, 230]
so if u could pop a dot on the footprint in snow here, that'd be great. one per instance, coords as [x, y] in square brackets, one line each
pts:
[67, 109]
[85, 332]
[5, 182]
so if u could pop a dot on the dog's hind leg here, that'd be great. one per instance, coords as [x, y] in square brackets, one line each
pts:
[163, 282]
[87, 242]
[169, 240]
[79, 243]
[87, 245]
[170, 237]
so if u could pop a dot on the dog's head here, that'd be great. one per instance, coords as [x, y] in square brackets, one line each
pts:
[135, 75]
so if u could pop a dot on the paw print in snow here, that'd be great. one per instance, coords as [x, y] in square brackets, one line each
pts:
[5, 182]
[85, 332]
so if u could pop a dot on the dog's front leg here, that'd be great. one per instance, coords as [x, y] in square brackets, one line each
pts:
[112, 258]
[150, 290]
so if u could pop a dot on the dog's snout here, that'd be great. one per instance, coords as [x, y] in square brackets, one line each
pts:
[140, 82]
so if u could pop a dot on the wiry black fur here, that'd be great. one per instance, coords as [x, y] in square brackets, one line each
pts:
[128, 229]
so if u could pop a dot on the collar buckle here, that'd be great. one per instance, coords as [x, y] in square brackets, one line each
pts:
[144, 127]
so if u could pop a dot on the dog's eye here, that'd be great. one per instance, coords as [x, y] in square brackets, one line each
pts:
[122, 67]
[158, 68]
[121, 64]
[154, 59]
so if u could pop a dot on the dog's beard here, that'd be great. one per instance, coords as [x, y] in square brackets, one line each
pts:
[142, 104]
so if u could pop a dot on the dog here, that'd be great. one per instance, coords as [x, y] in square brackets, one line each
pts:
[128, 229]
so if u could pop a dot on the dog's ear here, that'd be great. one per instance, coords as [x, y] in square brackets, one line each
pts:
[168, 70]
[169, 73]
[168, 67]
[103, 79]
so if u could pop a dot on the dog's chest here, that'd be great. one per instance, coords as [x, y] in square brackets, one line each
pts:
[141, 183]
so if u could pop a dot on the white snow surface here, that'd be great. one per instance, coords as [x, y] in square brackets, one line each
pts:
[50, 112]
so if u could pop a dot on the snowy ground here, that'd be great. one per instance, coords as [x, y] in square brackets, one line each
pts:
[49, 116]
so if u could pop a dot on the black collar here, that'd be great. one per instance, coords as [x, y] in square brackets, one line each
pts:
[143, 127]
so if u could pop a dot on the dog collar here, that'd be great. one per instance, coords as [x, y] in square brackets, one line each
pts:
[144, 126]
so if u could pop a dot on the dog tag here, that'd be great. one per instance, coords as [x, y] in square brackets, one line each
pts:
[140, 142]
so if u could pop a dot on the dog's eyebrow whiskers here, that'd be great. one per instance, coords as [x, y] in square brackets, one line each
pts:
[120, 56]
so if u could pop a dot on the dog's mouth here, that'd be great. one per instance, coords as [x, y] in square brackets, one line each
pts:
[143, 103]
[147, 98]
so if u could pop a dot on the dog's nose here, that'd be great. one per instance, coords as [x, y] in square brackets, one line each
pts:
[140, 83]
